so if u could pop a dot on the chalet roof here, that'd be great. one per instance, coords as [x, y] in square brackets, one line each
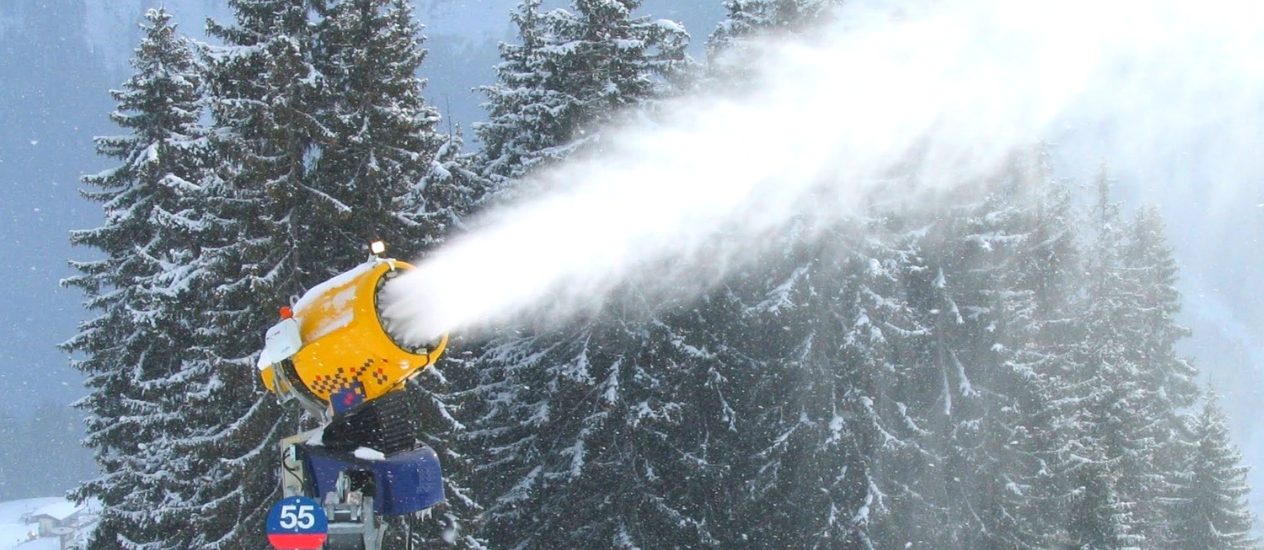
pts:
[58, 510]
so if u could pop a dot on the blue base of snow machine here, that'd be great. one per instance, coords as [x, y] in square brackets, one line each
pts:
[403, 483]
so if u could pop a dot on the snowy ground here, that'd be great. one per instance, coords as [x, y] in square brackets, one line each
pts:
[16, 534]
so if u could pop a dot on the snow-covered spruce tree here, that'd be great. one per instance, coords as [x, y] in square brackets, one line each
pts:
[1098, 517]
[1101, 419]
[265, 97]
[389, 175]
[915, 393]
[519, 104]
[1033, 427]
[1129, 353]
[272, 105]
[1042, 427]
[956, 487]
[132, 352]
[572, 72]
[998, 283]
[1210, 510]
[748, 18]
[616, 434]
[450, 191]
[807, 423]
[923, 349]
[728, 51]
[851, 408]
[560, 418]
[1147, 318]
[1012, 492]
[716, 360]
[324, 137]
[1125, 384]
[870, 340]
[1149, 265]
[383, 132]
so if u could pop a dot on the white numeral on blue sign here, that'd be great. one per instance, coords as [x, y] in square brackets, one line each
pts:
[297, 523]
[297, 516]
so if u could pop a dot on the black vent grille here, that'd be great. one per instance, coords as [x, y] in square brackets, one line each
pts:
[383, 424]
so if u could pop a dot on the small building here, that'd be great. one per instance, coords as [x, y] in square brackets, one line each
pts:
[64, 520]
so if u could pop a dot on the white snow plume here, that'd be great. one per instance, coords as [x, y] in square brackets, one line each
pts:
[890, 103]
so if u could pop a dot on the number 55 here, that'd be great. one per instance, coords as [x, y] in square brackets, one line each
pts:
[297, 516]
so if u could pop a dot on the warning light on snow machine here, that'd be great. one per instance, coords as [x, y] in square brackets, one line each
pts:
[377, 247]
[286, 312]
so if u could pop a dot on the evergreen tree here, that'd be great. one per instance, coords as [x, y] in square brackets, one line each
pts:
[1100, 519]
[1028, 307]
[132, 352]
[1210, 510]
[323, 138]
[570, 427]
[1148, 264]
[728, 51]
[520, 103]
[438, 206]
[812, 426]
[1120, 386]
[451, 190]
[266, 98]
[574, 71]
[392, 176]
[595, 437]
[1106, 430]
[1147, 321]
[1005, 277]
[916, 394]
[1131, 384]
[270, 102]
[383, 133]
[990, 396]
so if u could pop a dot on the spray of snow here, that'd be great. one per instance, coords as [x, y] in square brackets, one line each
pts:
[889, 104]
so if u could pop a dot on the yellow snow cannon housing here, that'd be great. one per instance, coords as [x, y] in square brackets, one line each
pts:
[337, 350]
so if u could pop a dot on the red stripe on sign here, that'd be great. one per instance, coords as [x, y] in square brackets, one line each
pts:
[296, 542]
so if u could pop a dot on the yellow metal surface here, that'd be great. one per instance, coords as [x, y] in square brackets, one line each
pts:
[346, 350]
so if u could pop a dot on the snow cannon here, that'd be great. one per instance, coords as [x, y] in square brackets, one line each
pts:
[335, 348]
[343, 360]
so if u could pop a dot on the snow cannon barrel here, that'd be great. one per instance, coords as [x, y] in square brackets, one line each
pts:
[336, 349]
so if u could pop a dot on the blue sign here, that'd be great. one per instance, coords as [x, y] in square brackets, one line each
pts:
[297, 523]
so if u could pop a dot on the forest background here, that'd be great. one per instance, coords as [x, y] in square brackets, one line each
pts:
[1033, 172]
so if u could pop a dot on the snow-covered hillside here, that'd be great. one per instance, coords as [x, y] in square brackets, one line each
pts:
[65, 524]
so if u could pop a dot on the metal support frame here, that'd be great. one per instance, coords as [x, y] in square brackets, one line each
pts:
[353, 523]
